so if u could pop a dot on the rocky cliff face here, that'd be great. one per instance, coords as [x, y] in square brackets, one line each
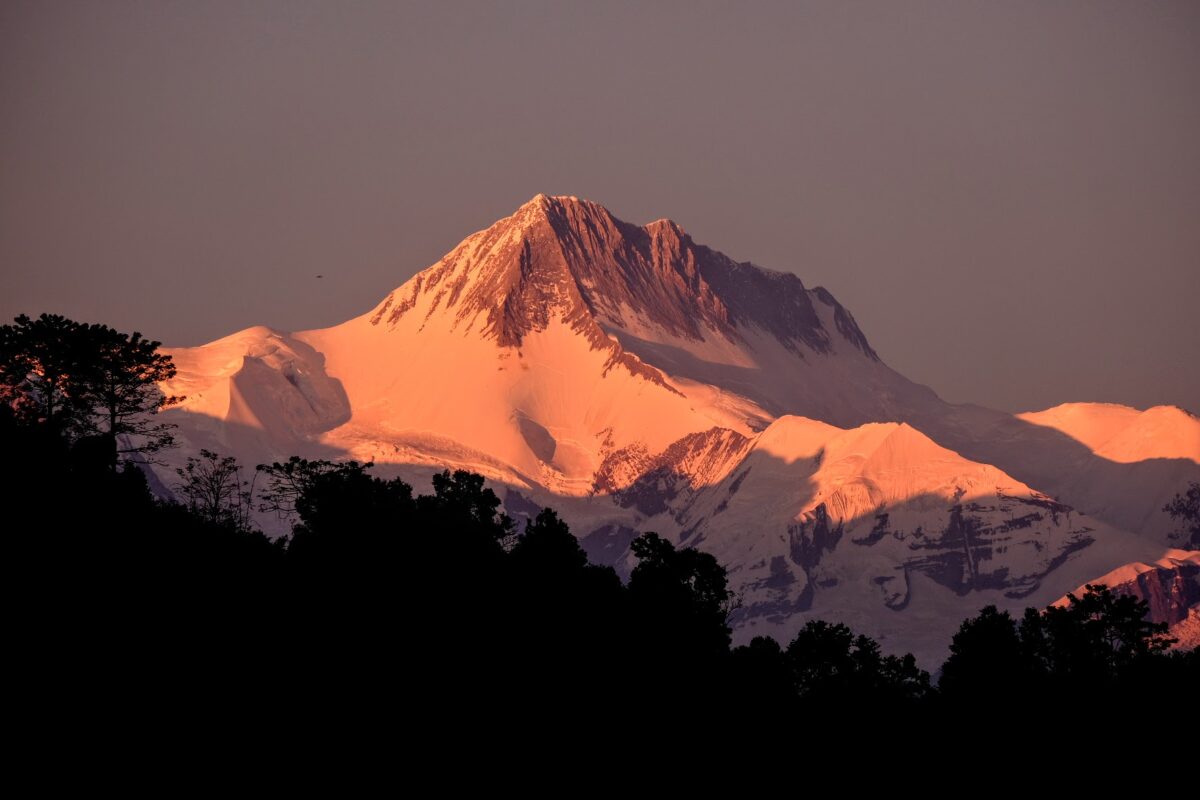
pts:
[1170, 592]
[1171, 585]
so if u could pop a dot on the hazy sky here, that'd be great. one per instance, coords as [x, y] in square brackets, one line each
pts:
[1006, 195]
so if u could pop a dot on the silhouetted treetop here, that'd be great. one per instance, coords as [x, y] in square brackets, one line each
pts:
[1098, 642]
[288, 482]
[549, 543]
[985, 654]
[120, 392]
[40, 364]
[84, 380]
[463, 499]
[1102, 630]
[343, 511]
[212, 487]
[680, 594]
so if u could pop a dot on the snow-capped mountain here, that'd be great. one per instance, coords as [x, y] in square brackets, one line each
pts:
[636, 380]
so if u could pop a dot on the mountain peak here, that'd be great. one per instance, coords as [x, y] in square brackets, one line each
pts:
[545, 205]
[571, 215]
[539, 203]
[561, 256]
[663, 223]
[541, 198]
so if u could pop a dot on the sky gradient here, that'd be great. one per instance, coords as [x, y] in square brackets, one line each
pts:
[1006, 195]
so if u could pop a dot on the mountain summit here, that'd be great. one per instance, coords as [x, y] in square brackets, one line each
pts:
[636, 380]
[659, 306]
[571, 257]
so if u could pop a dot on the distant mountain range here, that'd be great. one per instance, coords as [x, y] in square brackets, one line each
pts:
[635, 380]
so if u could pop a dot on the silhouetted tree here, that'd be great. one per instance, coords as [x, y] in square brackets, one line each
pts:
[1097, 636]
[213, 488]
[460, 499]
[902, 679]
[831, 665]
[40, 363]
[120, 391]
[687, 587]
[548, 543]
[1186, 509]
[288, 481]
[678, 631]
[343, 511]
[1062, 657]
[761, 683]
[87, 380]
[821, 658]
[987, 661]
[564, 618]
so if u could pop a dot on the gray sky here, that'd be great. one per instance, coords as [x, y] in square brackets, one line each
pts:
[1006, 195]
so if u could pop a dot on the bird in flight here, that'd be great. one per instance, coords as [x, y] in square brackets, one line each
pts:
[320, 276]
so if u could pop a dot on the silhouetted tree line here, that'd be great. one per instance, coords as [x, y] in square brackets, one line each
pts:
[438, 608]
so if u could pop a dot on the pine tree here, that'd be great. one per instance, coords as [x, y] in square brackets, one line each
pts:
[121, 394]
[82, 381]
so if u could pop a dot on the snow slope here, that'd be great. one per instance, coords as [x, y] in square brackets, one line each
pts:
[257, 392]
[1123, 434]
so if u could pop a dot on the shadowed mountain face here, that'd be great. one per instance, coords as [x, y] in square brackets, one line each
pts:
[639, 381]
